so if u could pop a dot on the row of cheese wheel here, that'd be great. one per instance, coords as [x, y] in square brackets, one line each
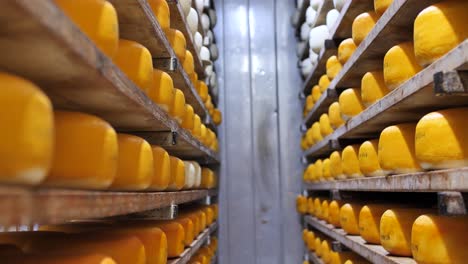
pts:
[437, 29]
[98, 20]
[72, 149]
[205, 254]
[134, 242]
[401, 230]
[438, 141]
[321, 246]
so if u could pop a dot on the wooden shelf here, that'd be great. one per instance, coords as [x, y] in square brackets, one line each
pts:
[195, 246]
[432, 181]
[30, 206]
[43, 45]
[373, 253]
[408, 103]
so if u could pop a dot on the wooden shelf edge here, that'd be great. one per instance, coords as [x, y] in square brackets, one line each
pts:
[195, 246]
[373, 253]
[431, 181]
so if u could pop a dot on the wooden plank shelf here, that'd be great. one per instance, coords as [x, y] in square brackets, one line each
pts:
[408, 103]
[57, 56]
[314, 258]
[195, 246]
[30, 206]
[373, 253]
[431, 181]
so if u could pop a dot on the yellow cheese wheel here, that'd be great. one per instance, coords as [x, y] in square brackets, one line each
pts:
[333, 67]
[189, 233]
[400, 65]
[345, 50]
[189, 117]
[175, 234]
[202, 136]
[135, 169]
[177, 108]
[26, 151]
[310, 240]
[304, 234]
[198, 258]
[196, 132]
[309, 103]
[318, 174]
[442, 139]
[85, 153]
[317, 207]
[316, 132]
[177, 174]
[195, 220]
[209, 214]
[362, 25]
[310, 172]
[373, 87]
[202, 217]
[162, 169]
[214, 243]
[324, 82]
[326, 251]
[162, 91]
[208, 179]
[188, 64]
[369, 222]
[301, 204]
[57, 259]
[334, 113]
[194, 78]
[136, 62]
[305, 262]
[162, 13]
[177, 41]
[369, 158]
[348, 257]
[310, 205]
[336, 168]
[334, 213]
[217, 117]
[202, 90]
[350, 161]
[395, 230]
[380, 6]
[318, 246]
[326, 173]
[97, 19]
[438, 29]
[316, 93]
[439, 239]
[324, 210]
[309, 137]
[349, 218]
[396, 149]
[325, 125]
[350, 103]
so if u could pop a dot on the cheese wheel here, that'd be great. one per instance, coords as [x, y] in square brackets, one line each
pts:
[209, 214]
[325, 125]
[97, 19]
[200, 259]
[162, 169]
[189, 175]
[334, 213]
[195, 220]
[309, 137]
[350, 103]
[326, 251]
[326, 170]
[349, 218]
[202, 136]
[315, 4]
[345, 50]
[438, 29]
[369, 222]
[177, 108]
[217, 117]
[310, 205]
[26, 151]
[205, 54]
[348, 257]
[189, 118]
[197, 174]
[396, 149]
[186, 5]
[310, 172]
[318, 174]
[324, 82]
[202, 90]
[198, 41]
[214, 243]
[189, 234]
[309, 103]
[369, 158]
[85, 152]
[332, 17]
[317, 207]
[175, 234]
[350, 161]
[338, 4]
[57, 259]
[123, 248]
[205, 19]
[215, 211]
[333, 67]
[196, 126]
[317, 37]
[207, 179]
[362, 25]
[400, 65]
[162, 92]
[192, 20]
[316, 93]
[324, 210]
[442, 139]
[162, 13]
[135, 166]
[395, 230]
[311, 14]
[318, 246]
[177, 180]
[310, 240]
[136, 62]
[439, 239]
[316, 132]
[336, 168]
[188, 64]
[380, 6]
[373, 87]
[334, 113]
[177, 41]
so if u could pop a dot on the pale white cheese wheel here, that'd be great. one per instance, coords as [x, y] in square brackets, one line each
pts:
[197, 174]
[205, 54]
[198, 39]
[213, 17]
[317, 37]
[339, 4]
[186, 5]
[192, 20]
[332, 17]
[310, 16]
[205, 22]
[313, 57]
[306, 67]
[315, 4]
[199, 6]
[189, 175]
[214, 52]
[209, 70]
[305, 31]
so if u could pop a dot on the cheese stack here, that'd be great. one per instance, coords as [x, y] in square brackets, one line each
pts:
[27, 148]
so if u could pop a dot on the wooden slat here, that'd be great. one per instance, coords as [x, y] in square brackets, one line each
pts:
[373, 253]
[29, 206]
[343, 27]
[408, 103]
[433, 181]
[195, 246]
[44, 46]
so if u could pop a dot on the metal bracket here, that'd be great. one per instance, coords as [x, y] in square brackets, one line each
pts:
[451, 83]
[305, 193]
[338, 247]
[335, 195]
[166, 64]
[451, 203]
[164, 213]
[304, 160]
[334, 144]
[301, 96]
[207, 200]
[303, 128]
